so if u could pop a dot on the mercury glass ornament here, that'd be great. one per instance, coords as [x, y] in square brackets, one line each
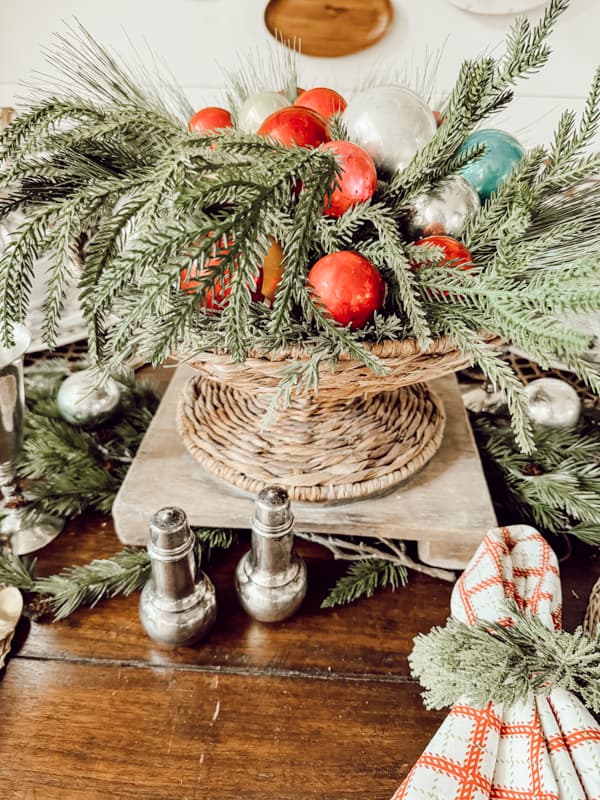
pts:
[443, 210]
[552, 402]
[488, 172]
[81, 400]
[257, 108]
[391, 123]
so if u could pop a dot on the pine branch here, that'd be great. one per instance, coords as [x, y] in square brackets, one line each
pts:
[363, 578]
[87, 467]
[121, 575]
[14, 571]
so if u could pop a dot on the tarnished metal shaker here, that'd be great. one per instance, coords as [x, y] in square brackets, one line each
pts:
[178, 604]
[271, 578]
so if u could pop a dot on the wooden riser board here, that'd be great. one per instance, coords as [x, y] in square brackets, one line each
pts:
[446, 507]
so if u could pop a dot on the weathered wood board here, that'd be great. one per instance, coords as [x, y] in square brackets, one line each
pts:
[446, 507]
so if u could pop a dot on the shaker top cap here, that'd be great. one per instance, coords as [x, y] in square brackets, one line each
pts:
[272, 508]
[169, 529]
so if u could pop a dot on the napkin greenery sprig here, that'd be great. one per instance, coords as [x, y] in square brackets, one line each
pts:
[505, 663]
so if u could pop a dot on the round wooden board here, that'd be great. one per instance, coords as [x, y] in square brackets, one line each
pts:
[329, 29]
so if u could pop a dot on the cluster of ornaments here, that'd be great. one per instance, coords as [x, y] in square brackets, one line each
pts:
[386, 126]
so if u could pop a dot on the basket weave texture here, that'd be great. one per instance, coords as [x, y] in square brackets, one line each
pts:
[360, 435]
[591, 623]
[405, 361]
[329, 451]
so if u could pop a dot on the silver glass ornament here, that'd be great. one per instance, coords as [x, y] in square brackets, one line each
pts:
[552, 402]
[270, 579]
[391, 123]
[81, 400]
[19, 535]
[178, 605]
[443, 210]
[257, 108]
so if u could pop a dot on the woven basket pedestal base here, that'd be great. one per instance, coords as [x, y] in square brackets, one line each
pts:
[320, 450]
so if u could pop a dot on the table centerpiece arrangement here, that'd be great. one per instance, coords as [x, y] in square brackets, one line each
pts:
[316, 260]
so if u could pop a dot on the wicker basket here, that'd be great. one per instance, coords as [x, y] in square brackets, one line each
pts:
[360, 435]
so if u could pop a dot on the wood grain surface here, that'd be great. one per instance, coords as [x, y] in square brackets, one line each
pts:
[171, 733]
[329, 27]
[321, 706]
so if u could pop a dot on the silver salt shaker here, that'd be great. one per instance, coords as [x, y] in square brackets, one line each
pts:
[271, 578]
[178, 603]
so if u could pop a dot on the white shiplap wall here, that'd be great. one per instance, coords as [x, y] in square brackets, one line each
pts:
[196, 37]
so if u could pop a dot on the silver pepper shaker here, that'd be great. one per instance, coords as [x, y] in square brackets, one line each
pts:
[271, 578]
[178, 604]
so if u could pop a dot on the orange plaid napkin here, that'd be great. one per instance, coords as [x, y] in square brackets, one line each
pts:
[547, 748]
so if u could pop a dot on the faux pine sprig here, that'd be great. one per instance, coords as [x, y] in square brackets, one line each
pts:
[119, 576]
[109, 151]
[363, 578]
[491, 662]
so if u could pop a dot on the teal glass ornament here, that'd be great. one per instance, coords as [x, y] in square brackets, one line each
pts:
[488, 172]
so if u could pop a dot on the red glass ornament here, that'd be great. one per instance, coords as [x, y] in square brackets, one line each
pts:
[358, 180]
[455, 253]
[325, 102]
[348, 286]
[210, 119]
[213, 298]
[295, 125]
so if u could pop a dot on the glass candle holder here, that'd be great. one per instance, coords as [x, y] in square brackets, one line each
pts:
[20, 535]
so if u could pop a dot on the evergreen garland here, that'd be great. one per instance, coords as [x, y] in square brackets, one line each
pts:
[86, 467]
[110, 151]
[557, 487]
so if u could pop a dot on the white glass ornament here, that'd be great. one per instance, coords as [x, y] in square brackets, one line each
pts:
[443, 210]
[552, 402]
[391, 123]
[257, 108]
[82, 401]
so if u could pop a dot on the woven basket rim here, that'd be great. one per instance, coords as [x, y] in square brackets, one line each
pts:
[388, 348]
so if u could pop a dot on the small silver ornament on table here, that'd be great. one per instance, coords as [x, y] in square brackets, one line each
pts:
[82, 400]
[443, 210]
[270, 579]
[552, 402]
[21, 536]
[178, 605]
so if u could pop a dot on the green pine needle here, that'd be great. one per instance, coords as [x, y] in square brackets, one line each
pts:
[363, 578]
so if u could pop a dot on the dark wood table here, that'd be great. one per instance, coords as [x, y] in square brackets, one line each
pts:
[321, 706]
